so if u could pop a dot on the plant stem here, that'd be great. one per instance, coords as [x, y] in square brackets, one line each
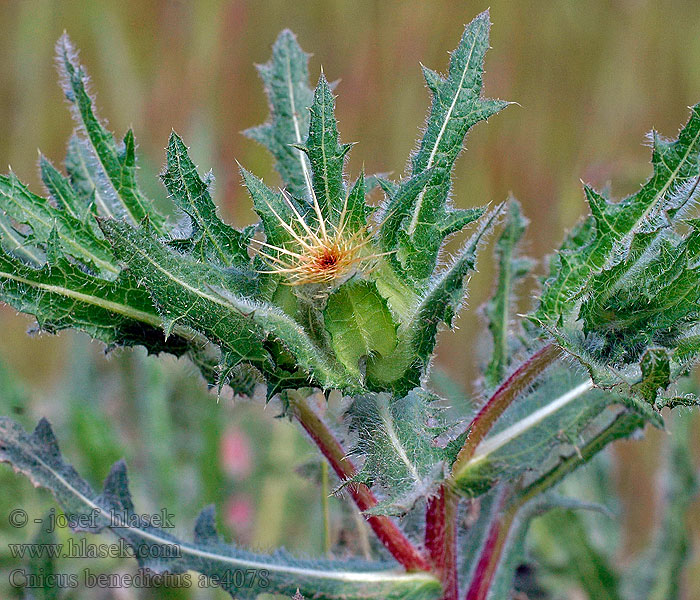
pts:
[384, 528]
[493, 549]
[326, 509]
[509, 390]
[441, 539]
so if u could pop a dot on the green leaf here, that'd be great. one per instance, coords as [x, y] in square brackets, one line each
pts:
[656, 373]
[214, 240]
[445, 295]
[655, 302]
[286, 79]
[357, 211]
[326, 154]
[511, 268]
[396, 438]
[418, 330]
[221, 304]
[457, 105]
[61, 295]
[182, 290]
[61, 190]
[38, 457]
[75, 237]
[619, 424]
[607, 237]
[87, 178]
[124, 199]
[15, 243]
[360, 324]
[623, 291]
[275, 211]
[536, 430]
[400, 199]
[309, 356]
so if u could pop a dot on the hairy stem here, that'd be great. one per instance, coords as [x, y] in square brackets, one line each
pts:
[509, 390]
[384, 528]
[441, 539]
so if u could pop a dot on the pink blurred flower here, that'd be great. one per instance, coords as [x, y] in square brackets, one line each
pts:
[239, 513]
[236, 453]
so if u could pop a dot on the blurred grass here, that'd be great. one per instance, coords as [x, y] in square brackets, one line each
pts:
[590, 77]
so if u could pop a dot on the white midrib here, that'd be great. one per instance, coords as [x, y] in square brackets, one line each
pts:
[115, 307]
[344, 576]
[63, 201]
[128, 211]
[491, 444]
[196, 291]
[397, 445]
[667, 185]
[297, 131]
[431, 158]
[659, 196]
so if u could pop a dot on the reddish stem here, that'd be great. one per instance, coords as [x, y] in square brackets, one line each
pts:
[509, 390]
[441, 539]
[385, 529]
[491, 553]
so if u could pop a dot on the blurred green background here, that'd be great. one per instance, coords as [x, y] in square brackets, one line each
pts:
[590, 77]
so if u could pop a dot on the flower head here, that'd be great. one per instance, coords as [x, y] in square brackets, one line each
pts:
[320, 254]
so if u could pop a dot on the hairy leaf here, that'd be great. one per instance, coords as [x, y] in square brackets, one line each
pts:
[426, 217]
[76, 237]
[276, 211]
[417, 334]
[360, 324]
[182, 290]
[213, 240]
[622, 292]
[511, 268]
[87, 178]
[60, 295]
[326, 154]
[535, 431]
[395, 437]
[286, 79]
[14, 242]
[124, 199]
[220, 304]
[61, 190]
[37, 455]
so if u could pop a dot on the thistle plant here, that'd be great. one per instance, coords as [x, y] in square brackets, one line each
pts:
[329, 295]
